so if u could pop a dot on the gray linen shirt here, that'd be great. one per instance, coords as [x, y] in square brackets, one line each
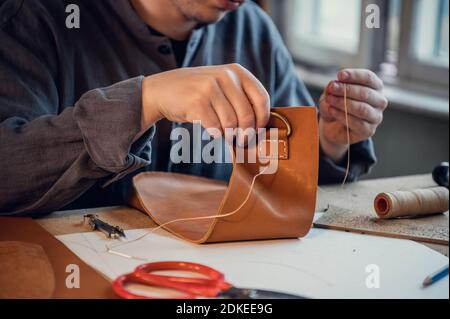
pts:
[70, 99]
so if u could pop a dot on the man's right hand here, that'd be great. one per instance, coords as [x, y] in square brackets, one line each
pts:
[226, 96]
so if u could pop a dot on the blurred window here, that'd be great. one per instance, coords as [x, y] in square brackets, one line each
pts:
[423, 51]
[328, 23]
[430, 43]
[412, 44]
[324, 33]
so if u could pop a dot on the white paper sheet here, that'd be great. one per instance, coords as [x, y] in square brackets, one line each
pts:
[325, 264]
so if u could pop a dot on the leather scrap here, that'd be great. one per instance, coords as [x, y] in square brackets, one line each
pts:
[25, 271]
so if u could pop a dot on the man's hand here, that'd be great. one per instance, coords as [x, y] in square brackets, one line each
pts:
[221, 97]
[366, 104]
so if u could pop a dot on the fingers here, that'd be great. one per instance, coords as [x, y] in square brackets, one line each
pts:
[361, 77]
[228, 97]
[256, 94]
[211, 122]
[362, 129]
[223, 109]
[359, 93]
[365, 103]
[361, 110]
[324, 109]
[231, 86]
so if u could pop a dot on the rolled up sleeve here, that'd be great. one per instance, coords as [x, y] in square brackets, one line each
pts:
[49, 161]
[56, 140]
[109, 120]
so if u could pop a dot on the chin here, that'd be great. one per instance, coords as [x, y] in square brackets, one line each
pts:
[212, 16]
[207, 11]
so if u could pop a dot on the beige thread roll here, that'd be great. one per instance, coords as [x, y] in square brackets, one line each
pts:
[412, 203]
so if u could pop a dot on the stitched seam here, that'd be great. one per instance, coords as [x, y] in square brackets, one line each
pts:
[284, 155]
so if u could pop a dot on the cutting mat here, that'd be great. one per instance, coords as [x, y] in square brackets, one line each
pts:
[351, 209]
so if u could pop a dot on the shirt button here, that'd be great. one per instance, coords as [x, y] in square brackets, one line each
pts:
[164, 49]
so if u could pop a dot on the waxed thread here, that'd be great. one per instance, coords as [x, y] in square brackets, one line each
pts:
[110, 249]
[347, 170]
[347, 122]
[409, 203]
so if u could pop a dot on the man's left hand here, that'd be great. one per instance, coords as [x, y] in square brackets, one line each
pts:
[365, 102]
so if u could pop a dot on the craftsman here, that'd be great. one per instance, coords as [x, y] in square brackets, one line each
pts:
[83, 109]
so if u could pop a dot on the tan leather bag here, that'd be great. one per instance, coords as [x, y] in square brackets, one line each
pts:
[280, 205]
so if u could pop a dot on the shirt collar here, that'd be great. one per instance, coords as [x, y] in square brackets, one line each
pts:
[126, 12]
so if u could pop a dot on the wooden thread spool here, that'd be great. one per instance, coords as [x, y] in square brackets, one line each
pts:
[419, 202]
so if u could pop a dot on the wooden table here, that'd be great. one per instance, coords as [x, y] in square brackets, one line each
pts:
[353, 196]
[358, 199]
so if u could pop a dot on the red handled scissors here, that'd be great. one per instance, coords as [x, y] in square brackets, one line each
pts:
[212, 284]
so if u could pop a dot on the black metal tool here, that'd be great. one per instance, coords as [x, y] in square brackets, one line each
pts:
[111, 231]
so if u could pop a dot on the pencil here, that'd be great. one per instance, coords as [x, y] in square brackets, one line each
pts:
[440, 274]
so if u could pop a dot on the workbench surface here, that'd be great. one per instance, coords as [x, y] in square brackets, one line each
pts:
[359, 196]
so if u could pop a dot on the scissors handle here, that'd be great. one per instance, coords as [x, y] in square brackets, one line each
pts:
[192, 287]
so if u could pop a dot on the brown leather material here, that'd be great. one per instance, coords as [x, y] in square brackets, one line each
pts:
[281, 205]
[92, 284]
[22, 263]
[264, 147]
